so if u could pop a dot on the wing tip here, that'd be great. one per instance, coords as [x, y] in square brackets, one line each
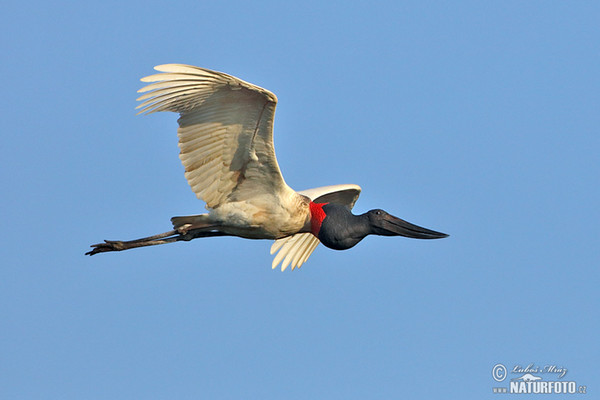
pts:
[293, 250]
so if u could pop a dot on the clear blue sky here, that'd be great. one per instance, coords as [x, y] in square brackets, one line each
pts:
[478, 119]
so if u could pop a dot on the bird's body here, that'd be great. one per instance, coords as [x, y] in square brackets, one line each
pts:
[226, 146]
[262, 218]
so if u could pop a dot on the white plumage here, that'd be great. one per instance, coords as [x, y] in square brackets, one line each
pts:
[225, 131]
[226, 142]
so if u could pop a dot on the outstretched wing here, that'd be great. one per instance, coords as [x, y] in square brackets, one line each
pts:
[297, 248]
[225, 131]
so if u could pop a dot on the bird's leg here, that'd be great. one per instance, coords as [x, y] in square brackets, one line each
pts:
[118, 245]
[161, 238]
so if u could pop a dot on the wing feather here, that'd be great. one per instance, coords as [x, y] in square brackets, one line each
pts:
[308, 251]
[303, 244]
[225, 131]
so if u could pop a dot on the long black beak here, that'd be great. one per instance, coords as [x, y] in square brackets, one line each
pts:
[392, 226]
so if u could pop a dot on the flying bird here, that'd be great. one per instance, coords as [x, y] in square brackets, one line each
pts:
[226, 146]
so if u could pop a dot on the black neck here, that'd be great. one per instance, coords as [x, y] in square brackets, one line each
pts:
[341, 229]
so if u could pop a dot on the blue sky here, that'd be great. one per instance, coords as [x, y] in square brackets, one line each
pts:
[478, 119]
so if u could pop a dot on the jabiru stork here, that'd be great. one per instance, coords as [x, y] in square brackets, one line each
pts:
[226, 146]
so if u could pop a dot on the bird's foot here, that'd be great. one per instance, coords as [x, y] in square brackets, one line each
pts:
[108, 245]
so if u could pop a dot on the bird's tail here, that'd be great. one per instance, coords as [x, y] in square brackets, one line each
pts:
[193, 221]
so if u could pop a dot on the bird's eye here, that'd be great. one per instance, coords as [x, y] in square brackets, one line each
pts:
[378, 212]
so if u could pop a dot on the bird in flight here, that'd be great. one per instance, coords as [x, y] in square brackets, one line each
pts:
[226, 146]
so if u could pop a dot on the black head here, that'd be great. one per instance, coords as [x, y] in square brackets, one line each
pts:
[340, 229]
[384, 224]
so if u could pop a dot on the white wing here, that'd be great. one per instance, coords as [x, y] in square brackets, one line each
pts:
[345, 194]
[225, 131]
[297, 248]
